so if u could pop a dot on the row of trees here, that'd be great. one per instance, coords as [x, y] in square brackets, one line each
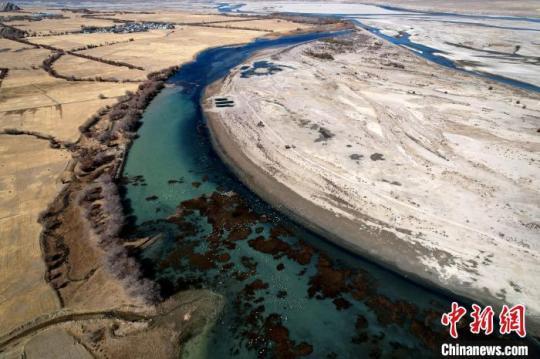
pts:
[125, 115]
[108, 135]
[73, 53]
[103, 212]
[91, 191]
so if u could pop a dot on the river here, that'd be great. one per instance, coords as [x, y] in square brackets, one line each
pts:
[287, 291]
[404, 38]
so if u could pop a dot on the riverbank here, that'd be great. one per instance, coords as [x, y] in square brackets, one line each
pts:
[88, 264]
[385, 205]
[81, 262]
[178, 186]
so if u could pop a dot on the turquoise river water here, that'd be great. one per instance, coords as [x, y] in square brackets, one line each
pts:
[288, 293]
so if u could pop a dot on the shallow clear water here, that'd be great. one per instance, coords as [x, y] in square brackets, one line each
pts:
[288, 292]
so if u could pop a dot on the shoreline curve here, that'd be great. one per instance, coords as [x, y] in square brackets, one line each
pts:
[323, 222]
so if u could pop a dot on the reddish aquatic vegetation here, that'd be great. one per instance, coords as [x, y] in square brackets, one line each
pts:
[249, 290]
[174, 258]
[271, 245]
[224, 257]
[279, 231]
[242, 276]
[196, 261]
[360, 286]
[276, 332]
[341, 303]
[233, 221]
[301, 253]
[201, 261]
[186, 228]
[426, 335]
[223, 211]
[328, 282]
[391, 312]
[239, 233]
[197, 203]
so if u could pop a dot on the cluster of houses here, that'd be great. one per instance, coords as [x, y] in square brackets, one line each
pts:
[129, 27]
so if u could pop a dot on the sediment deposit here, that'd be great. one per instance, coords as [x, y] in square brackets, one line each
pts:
[430, 171]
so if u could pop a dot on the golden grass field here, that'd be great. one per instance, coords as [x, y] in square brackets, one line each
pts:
[84, 68]
[33, 100]
[29, 170]
[53, 26]
[177, 17]
[74, 41]
[170, 50]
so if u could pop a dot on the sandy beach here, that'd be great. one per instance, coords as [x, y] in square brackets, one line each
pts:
[394, 179]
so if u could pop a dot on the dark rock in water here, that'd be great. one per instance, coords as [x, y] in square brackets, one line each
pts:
[151, 198]
[8, 6]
